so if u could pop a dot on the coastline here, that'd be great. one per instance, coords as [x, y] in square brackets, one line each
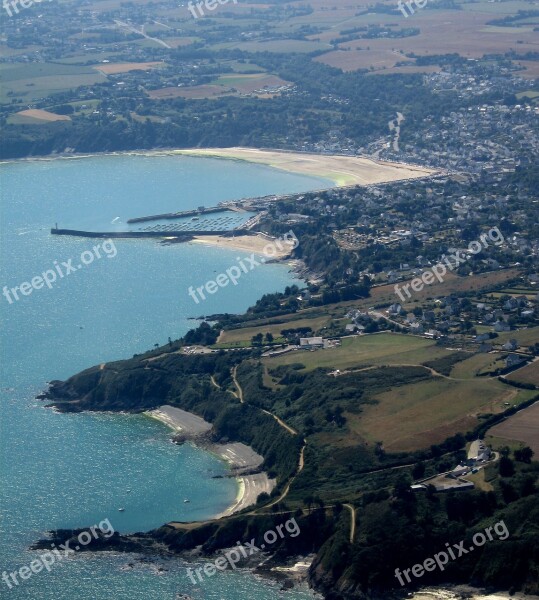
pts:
[242, 459]
[338, 169]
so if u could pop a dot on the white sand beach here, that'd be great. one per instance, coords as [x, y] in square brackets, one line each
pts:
[240, 457]
[342, 170]
[250, 243]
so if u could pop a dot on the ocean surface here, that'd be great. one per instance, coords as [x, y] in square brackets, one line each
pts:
[79, 469]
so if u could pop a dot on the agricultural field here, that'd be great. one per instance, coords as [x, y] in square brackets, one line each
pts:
[477, 365]
[528, 374]
[115, 68]
[229, 84]
[35, 80]
[521, 427]
[380, 349]
[197, 92]
[278, 46]
[415, 416]
[36, 116]
[248, 83]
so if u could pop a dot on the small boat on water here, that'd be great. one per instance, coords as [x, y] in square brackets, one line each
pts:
[121, 509]
[186, 501]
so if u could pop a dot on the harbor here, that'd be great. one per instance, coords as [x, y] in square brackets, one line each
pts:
[182, 225]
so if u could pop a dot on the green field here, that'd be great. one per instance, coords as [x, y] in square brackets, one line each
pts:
[526, 337]
[382, 349]
[246, 333]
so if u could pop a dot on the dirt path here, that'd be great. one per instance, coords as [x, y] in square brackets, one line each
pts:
[281, 422]
[301, 464]
[236, 383]
[352, 521]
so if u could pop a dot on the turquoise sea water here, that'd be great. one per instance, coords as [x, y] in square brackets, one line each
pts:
[76, 470]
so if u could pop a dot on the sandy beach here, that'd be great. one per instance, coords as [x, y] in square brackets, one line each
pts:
[241, 458]
[249, 243]
[457, 592]
[180, 420]
[342, 170]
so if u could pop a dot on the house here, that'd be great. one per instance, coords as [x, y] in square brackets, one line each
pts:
[513, 360]
[482, 337]
[511, 345]
[311, 343]
[511, 304]
[351, 328]
[395, 309]
[417, 328]
[460, 486]
[501, 326]
[478, 452]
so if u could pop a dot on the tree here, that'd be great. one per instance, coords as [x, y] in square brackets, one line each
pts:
[263, 497]
[524, 454]
[256, 340]
[505, 451]
[269, 338]
[418, 471]
[507, 469]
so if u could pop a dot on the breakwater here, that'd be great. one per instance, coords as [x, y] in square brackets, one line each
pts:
[180, 235]
[180, 214]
